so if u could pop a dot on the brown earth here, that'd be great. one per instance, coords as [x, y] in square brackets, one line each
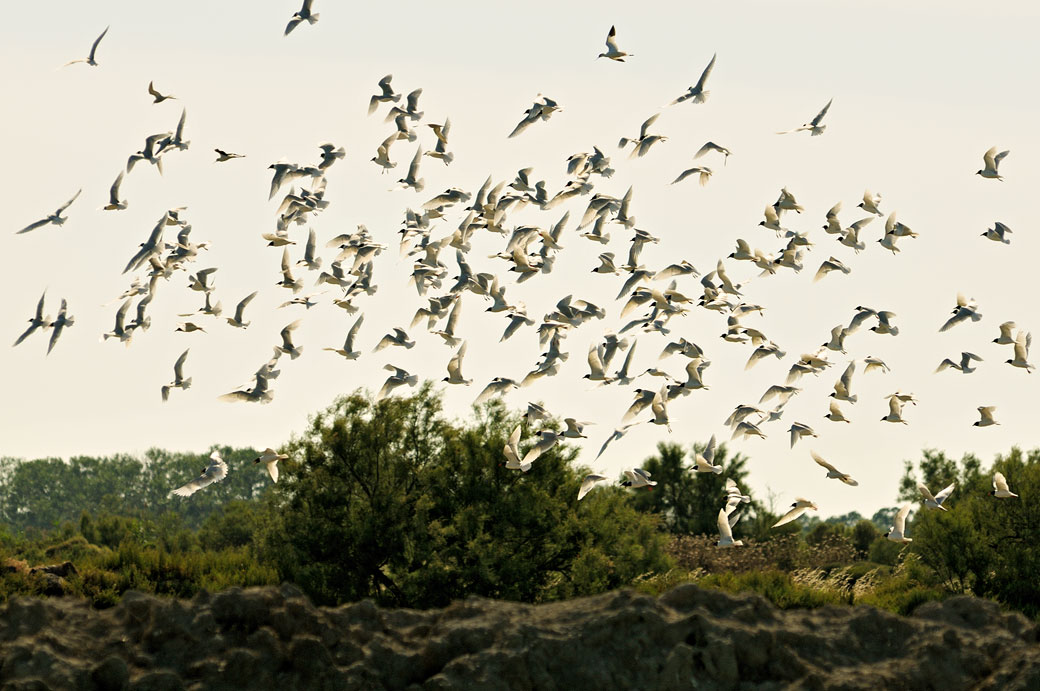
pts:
[688, 638]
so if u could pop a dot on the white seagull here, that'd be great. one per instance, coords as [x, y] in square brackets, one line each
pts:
[897, 532]
[215, 472]
[270, 459]
[935, 501]
[832, 472]
[813, 126]
[1000, 487]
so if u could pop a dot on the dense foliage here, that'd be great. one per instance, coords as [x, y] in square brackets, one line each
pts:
[391, 500]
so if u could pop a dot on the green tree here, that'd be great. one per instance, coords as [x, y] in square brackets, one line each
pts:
[391, 501]
[688, 502]
[985, 545]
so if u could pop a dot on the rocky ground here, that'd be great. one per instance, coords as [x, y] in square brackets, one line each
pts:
[688, 638]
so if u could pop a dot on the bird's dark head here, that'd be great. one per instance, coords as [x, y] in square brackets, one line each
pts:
[888, 533]
[978, 172]
[1009, 361]
[993, 493]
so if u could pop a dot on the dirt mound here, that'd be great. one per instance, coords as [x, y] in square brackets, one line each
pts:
[688, 638]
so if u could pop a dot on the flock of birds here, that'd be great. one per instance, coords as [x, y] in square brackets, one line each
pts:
[652, 296]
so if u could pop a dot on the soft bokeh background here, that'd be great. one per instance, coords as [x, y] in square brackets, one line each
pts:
[920, 92]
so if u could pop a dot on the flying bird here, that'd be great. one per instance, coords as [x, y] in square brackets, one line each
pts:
[159, 98]
[832, 472]
[986, 416]
[215, 472]
[59, 324]
[304, 14]
[703, 461]
[37, 321]
[237, 321]
[612, 50]
[56, 218]
[992, 160]
[964, 366]
[226, 155]
[799, 507]
[348, 350]
[539, 111]
[589, 481]
[697, 92]
[270, 459]
[400, 377]
[637, 477]
[179, 381]
[1023, 340]
[93, 49]
[726, 524]
[1000, 487]
[386, 94]
[813, 126]
[965, 309]
[897, 532]
[114, 202]
[936, 501]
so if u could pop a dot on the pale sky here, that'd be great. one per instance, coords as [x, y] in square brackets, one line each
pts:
[920, 92]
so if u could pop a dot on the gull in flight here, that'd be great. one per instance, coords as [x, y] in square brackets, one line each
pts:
[237, 320]
[998, 233]
[936, 501]
[726, 530]
[620, 431]
[226, 156]
[539, 111]
[896, 532]
[386, 94]
[992, 161]
[56, 218]
[835, 415]
[411, 180]
[303, 15]
[712, 146]
[270, 459]
[93, 48]
[813, 126]
[703, 462]
[159, 98]
[114, 202]
[120, 331]
[870, 203]
[799, 507]
[455, 368]
[697, 92]
[348, 350]
[799, 430]
[704, 172]
[179, 382]
[1022, 343]
[986, 416]
[833, 472]
[215, 472]
[511, 451]
[965, 309]
[612, 50]
[964, 366]
[590, 481]
[287, 346]
[37, 321]
[400, 377]
[872, 363]
[62, 321]
[734, 497]
[1000, 487]
[645, 139]
[637, 477]
[895, 410]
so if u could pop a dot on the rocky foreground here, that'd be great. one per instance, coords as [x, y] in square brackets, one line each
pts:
[688, 638]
